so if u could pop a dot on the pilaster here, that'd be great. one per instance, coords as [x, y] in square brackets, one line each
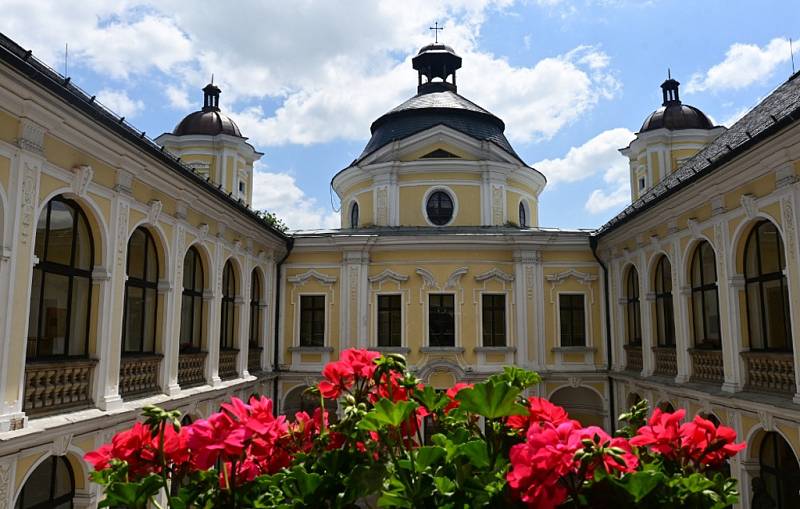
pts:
[681, 301]
[646, 310]
[730, 286]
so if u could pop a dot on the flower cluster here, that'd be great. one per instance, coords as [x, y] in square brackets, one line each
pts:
[698, 441]
[140, 448]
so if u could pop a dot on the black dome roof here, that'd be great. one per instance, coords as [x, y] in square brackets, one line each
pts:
[677, 116]
[437, 103]
[209, 120]
[673, 114]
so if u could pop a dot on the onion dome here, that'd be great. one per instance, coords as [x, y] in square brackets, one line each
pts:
[673, 114]
[437, 102]
[208, 121]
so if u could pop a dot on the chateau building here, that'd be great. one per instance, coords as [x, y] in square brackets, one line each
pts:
[134, 271]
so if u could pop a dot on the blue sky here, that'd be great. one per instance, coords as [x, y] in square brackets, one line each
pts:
[573, 79]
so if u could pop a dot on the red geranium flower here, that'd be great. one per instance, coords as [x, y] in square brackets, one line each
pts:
[451, 393]
[540, 410]
[706, 444]
[662, 433]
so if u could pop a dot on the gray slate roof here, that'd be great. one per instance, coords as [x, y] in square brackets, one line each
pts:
[424, 111]
[780, 109]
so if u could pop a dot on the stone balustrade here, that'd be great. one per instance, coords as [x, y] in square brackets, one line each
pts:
[191, 369]
[254, 359]
[770, 371]
[138, 374]
[227, 363]
[633, 358]
[55, 386]
[666, 363]
[707, 366]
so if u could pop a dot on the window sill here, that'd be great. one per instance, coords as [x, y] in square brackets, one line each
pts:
[141, 355]
[495, 349]
[311, 349]
[390, 349]
[442, 349]
[574, 349]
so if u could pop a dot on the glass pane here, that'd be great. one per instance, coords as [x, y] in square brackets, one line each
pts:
[34, 316]
[696, 264]
[666, 275]
[774, 308]
[199, 284]
[709, 265]
[59, 246]
[152, 261]
[41, 232]
[188, 269]
[136, 254]
[255, 287]
[766, 455]
[751, 255]
[770, 249]
[186, 320]
[133, 319]
[79, 315]
[712, 316]
[54, 309]
[63, 478]
[150, 310]
[754, 315]
[83, 245]
[197, 321]
[698, 317]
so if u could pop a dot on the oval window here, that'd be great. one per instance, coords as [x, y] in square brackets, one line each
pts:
[354, 216]
[439, 208]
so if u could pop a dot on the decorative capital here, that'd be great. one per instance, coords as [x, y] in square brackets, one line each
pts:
[154, 212]
[748, 202]
[81, 178]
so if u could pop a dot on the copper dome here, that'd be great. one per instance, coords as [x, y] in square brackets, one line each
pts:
[208, 121]
[673, 114]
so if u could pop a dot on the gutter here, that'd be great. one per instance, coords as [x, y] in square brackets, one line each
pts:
[276, 320]
[593, 240]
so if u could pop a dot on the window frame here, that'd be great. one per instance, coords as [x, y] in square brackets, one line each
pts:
[355, 214]
[633, 308]
[777, 470]
[228, 318]
[429, 195]
[560, 317]
[196, 296]
[71, 272]
[428, 332]
[664, 303]
[762, 278]
[52, 500]
[505, 320]
[401, 324]
[325, 320]
[145, 285]
[699, 292]
[523, 214]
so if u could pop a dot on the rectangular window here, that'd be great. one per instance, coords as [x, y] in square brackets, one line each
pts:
[389, 320]
[312, 320]
[241, 187]
[573, 320]
[441, 319]
[494, 319]
[642, 184]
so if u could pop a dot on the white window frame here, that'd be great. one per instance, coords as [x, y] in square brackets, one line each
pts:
[427, 195]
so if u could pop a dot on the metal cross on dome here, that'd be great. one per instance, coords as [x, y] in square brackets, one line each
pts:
[436, 29]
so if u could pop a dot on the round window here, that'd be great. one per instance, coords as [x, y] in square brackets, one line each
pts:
[439, 208]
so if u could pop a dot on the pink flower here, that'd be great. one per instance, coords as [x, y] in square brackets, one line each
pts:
[539, 411]
[661, 434]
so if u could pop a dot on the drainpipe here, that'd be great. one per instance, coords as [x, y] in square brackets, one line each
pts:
[611, 403]
[276, 321]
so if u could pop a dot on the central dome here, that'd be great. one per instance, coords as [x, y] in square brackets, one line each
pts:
[437, 103]
[675, 115]
[208, 121]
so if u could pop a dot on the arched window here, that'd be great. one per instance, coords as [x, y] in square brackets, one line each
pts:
[141, 294]
[255, 310]
[50, 486]
[705, 299]
[665, 318]
[780, 471]
[767, 296]
[61, 289]
[523, 215]
[192, 301]
[439, 208]
[228, 316]
[354, 215]
[633, 322]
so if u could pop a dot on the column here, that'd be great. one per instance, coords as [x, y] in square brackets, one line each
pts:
[168, 377]
[172, 324]
[354, 314]
[266, 310]
[681, 299]
[646, 307]
[730, 288]
[242, 314]
[110, 285]
[23, 204]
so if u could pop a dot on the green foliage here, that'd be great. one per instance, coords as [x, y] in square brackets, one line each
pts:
[273, 220]
[492, 399]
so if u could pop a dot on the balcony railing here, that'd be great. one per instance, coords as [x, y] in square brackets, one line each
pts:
[633, 358]
[58, 385]
[707, 366]
[770, 371]
[227, 363]
[191, 369]
[138, 374]
[254, 359]
[666, 362]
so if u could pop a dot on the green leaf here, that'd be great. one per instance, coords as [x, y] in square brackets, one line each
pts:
[427, 456]
[492, 399]
[640, 484]
[517, 377]
[444, 486]
[476, 452]
[386, 413]
[431, 399]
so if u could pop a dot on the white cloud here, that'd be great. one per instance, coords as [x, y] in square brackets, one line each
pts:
[332, 68]
[599, 155]
[178, 98]
[120, 102]
[744, 65]
[278, 193]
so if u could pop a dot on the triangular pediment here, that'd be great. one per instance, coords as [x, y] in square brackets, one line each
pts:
[440, 153]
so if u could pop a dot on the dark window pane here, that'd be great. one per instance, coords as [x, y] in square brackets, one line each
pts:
[133, 319]
[186, 320]
[439, 208]
[441, 320]
[312, 320]
[79, 315]
[152, 261]
[389, 320]
[572, 320]
[494, 320]
[136, 254]
[54, 310]
[150, 310]
[62, 227]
